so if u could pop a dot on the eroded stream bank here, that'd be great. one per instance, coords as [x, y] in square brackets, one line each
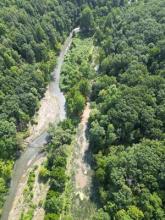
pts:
[82, 206]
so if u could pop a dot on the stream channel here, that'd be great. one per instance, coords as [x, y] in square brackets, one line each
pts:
[35, 146]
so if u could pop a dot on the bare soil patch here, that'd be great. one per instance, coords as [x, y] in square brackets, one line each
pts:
[48, 113]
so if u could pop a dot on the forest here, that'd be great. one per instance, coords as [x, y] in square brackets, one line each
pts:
[127, 124]
[31, 34]
[126, 128]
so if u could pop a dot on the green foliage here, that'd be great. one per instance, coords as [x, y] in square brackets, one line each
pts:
[132, 179]
[28, 215]
[132, 213]
[43, 173]
[51, 216]
[87, 20]
[76, 73]
[75, 103]
[30, 35]
[75, 83]
[55, 170]
[25, 57]
[97, 135]
[135, 213]
[8, 143]
[127, 126]
[5, 175]
[101, 215]
[127, 123]
[122, 215]
[31, 180]
[28, 191]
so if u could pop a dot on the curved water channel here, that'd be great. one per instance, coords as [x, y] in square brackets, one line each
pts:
[33, 151]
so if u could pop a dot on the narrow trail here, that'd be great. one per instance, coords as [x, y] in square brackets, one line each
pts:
[82, 207]
[82, 168]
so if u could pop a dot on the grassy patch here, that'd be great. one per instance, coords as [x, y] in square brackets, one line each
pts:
[28, 191]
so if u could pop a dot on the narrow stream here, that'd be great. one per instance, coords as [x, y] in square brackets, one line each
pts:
[34, 149]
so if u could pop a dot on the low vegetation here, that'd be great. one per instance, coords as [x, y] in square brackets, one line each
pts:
[76, 74]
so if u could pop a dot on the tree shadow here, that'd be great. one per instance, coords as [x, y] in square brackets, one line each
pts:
[89, 160]
[84, 35]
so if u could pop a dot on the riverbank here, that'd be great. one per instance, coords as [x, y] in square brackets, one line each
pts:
[29, 199]
[52, 109]
[77, 195]
[48, 113]
[54, 99]
[81, 173]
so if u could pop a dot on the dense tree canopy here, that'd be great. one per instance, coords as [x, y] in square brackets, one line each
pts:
[55, 170]
[132, 180]
[127, 124]
[29, 41]
[87, 20]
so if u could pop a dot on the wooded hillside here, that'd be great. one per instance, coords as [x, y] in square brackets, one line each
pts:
[127, 125]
